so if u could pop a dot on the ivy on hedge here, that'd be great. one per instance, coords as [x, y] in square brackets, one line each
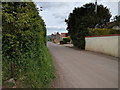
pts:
[24, 44]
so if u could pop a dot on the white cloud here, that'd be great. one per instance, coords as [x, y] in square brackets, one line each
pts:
[53, 29]
[55, 13]
[75, 0]
[56, 27]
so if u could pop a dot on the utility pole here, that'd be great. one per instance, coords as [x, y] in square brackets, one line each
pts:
[96, 6]
[41, 8]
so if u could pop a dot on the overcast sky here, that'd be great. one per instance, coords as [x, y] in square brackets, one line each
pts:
[55, 13]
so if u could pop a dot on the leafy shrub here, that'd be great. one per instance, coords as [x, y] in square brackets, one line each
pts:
[66, 39]
[63, 42]
[104, 31]
[79, 41]
[24, 45]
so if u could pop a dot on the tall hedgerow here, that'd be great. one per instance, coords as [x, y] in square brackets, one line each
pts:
[102, 31]
[24, 45]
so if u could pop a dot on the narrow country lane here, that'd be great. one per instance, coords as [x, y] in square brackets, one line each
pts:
[83, 69]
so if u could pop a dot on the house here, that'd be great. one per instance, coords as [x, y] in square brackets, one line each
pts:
[113, 25]
[52, 37]
[116, 27]
[64, 35]
[56, 38]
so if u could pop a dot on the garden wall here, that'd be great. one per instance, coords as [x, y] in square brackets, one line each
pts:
[104, 44]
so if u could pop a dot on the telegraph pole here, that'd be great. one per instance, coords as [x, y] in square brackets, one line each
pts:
[41, 8]
[96, 6]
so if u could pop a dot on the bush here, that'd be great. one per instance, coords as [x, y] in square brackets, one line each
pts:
[24, 45]
[63, 42]
[79, 41]
[66, 39]
[104, 31]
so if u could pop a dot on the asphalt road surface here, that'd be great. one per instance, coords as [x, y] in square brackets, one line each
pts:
[83, 69]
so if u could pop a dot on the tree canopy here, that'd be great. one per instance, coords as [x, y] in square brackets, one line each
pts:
[85, 17]
[117, 20]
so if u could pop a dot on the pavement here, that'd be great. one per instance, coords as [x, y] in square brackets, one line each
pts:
[83, 69]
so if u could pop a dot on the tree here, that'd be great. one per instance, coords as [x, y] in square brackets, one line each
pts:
[117, 20]
[85, 17]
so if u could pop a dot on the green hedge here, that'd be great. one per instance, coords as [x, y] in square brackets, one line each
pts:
[66, 39]
[24, 45]
[63, 42]
[104, 31]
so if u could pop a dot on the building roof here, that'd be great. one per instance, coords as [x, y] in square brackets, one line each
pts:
[64, 34]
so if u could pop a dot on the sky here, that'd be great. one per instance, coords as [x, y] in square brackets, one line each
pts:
[54, 13]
